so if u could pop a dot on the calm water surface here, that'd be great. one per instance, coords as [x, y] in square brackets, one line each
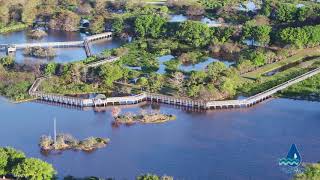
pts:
[189, 67]
[238, 144]
[182, 18]
[63, 54]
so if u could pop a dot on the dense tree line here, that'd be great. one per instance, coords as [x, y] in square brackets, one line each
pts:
[16, 164]
[301, 36]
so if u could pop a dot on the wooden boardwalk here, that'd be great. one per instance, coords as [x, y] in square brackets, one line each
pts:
[103, 61]
[185, 102]
[66, 44]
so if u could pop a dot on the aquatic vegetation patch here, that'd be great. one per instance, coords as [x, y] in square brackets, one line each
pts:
[143, 118]
[67, 141]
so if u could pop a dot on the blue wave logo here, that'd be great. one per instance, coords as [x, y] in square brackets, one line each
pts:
[293, 158]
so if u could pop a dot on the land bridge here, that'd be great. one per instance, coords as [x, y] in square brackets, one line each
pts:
[66, 44]
[185, 102]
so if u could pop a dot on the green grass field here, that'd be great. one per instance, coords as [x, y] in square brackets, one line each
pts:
[270, 67]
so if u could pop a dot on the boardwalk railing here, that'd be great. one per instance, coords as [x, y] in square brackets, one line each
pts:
[95, 37]
[66, 44]
[101, 62]
[167, 99]
[51, 44]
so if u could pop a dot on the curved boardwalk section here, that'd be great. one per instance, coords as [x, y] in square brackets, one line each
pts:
[250, 101]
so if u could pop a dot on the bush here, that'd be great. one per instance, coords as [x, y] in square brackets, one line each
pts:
[34, 169]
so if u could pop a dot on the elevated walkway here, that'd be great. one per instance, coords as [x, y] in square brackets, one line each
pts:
[250, 101]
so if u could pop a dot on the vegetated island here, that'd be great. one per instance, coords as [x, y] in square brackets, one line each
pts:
[143, 117]
[36, 34]
[67, 141]
[40, 52]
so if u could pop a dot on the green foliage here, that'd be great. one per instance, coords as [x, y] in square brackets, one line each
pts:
[194, 33]
[228, 86]
[286, 12]
[6, 61]
[194, 90]
[197, 77]
[97, 25]
[50, 68]
[15, 85]
[302, 13]
[14, 157]
[29, 13]
[162, 46]
[264, 83]
[172, 65]
[192, 57]
[91, 59]
[148, 177]
[266, 8]
[9, 159]
[17, 91]
[245, 66]
[13, 27]
[155, 82]
[311, 172]
[65, 20]
[118, 25]
[110, 73]
[217, 4]
[34, 169]
[224, 34]
[143, 82]
[305, 89]
[301, 36]
[257, 57]
[260, 33]
[215, 70]
[3, 162]
[150, 25]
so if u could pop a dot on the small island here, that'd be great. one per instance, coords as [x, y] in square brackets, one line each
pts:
[36, 34]
[40, 52]
[143, 118]
[67, 141]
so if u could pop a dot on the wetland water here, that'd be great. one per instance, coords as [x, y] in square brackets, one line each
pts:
[63, 54]
[232, 144]
[224, 144]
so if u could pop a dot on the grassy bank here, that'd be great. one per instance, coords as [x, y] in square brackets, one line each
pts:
[60, 85]
[306, 87]
[303, 53]
[13, 27]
